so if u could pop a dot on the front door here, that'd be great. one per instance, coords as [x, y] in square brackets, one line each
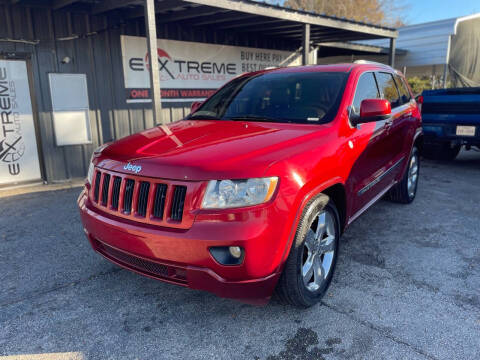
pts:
[19, 161]
[367, 179]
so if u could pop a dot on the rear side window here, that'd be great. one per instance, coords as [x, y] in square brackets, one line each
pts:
[366, 89]
[388, 88]
[402, 88]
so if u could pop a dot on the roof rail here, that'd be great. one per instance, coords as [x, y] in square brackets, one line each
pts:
[369, 62]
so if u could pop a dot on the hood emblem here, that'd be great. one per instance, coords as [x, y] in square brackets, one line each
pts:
[133, 168]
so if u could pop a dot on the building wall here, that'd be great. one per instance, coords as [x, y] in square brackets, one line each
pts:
[97, 55]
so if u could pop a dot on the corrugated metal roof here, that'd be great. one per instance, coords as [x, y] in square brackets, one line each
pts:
[426, 43]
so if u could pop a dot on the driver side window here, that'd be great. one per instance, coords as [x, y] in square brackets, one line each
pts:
[366, 89]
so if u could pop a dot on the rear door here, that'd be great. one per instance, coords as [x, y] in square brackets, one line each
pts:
[395, 125]
[403, 128]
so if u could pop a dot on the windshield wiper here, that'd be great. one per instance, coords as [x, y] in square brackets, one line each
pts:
[253, 118]
[203, 117]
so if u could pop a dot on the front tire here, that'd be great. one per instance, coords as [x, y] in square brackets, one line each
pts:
[405, 191]
[311, 263]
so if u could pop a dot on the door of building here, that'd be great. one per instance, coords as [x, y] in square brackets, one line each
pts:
[19, 160]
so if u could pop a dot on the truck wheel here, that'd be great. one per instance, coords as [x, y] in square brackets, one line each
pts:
[443, 152]
[405, 191]
[448, 153]
[313, 256]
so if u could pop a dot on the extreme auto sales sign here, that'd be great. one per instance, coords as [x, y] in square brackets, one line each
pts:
[192, 71]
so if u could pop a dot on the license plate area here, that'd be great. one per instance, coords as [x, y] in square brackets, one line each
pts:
[465, 130]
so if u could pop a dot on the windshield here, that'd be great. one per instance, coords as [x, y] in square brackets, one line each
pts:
[298, 97]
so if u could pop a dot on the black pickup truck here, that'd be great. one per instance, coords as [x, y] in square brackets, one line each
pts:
[451, 119]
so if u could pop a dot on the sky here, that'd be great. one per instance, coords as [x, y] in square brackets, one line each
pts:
[419, 11]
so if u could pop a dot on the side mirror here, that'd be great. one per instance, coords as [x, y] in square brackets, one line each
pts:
[195, 105]
[373, 110]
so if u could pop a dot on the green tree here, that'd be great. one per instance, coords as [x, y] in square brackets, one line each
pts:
[380, 12]
[418, 84]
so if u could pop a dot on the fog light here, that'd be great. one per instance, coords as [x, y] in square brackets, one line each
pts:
[228, 255]
[235, 251]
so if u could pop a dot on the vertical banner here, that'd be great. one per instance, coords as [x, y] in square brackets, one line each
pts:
[191, 71]
[18, 145]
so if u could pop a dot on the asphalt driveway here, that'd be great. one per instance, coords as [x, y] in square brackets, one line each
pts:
[407, 286]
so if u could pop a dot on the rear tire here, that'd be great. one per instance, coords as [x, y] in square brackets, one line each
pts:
[405, 191]
[444, 152]
[311, 263]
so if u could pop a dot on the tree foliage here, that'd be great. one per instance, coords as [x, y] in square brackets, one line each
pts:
[380, 12]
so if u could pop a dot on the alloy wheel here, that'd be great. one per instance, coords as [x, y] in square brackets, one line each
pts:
[318, 251]
[412, 175]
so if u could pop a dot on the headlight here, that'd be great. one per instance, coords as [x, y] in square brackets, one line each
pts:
[223, 194]
[91, 167]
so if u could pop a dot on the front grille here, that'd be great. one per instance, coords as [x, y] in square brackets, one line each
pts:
[135, 262]
[143, 198]
[156, 202]
[165, 272]
[97, 186]
[128, 196]
[159, 204]
[117, 182]
[106, 185]
[178, 202]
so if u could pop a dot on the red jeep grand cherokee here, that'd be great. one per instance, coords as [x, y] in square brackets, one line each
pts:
[251, 191]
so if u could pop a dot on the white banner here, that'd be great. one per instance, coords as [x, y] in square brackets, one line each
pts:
[191, 71]
[18, 144]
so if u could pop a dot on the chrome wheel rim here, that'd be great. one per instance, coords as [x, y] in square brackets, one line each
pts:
[318, 251]
[412, 176]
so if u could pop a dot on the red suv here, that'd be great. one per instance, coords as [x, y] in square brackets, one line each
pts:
[251, 191]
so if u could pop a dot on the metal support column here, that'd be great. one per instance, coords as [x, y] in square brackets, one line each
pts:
[306, 44]
[151, 27]
[445, 75]
[445, 69]
[391, 53]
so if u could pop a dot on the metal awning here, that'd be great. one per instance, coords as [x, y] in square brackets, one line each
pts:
[241, 16]
[348, 48]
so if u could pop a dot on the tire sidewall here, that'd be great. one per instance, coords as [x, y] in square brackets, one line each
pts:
[415, 152]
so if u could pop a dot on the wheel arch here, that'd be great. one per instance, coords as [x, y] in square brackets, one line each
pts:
[418, 142]
[338, 195]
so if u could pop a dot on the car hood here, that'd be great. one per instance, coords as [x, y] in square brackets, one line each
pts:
[207, 149]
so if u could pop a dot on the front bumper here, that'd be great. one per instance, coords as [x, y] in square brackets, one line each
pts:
[182, 257]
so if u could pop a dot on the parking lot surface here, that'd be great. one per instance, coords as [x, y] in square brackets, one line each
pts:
[407, 286]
